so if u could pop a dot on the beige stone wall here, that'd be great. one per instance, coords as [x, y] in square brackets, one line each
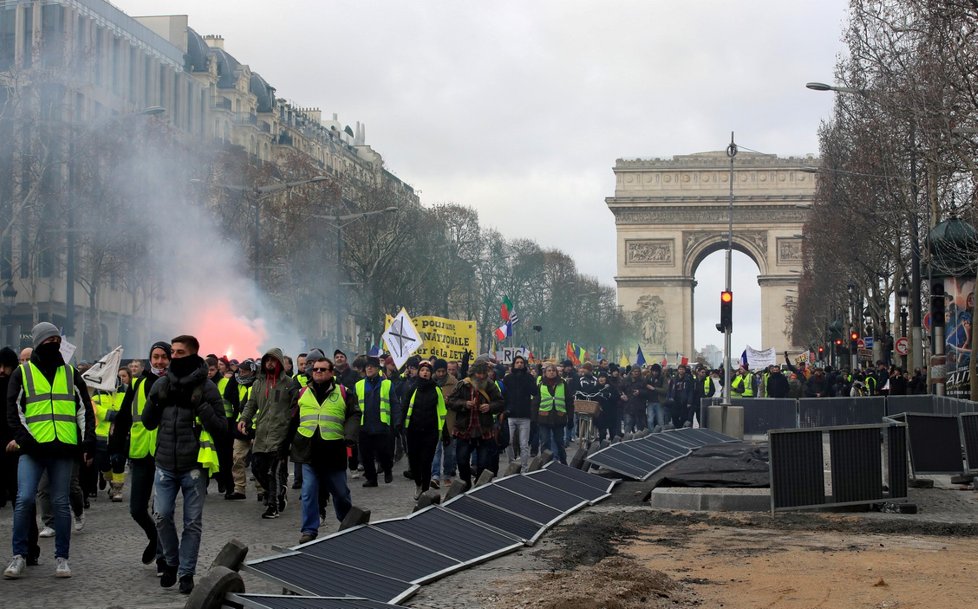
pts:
[671, 214]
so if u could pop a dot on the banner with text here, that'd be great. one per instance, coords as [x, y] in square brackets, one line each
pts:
[445, 338]
[508, 354]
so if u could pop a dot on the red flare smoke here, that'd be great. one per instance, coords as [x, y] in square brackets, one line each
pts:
[222, 331]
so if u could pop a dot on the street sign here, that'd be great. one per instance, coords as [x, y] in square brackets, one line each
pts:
[868, 341]
[902, 346]
[861, 343]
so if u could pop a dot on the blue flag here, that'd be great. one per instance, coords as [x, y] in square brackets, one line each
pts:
[743, 358]
[640, 357]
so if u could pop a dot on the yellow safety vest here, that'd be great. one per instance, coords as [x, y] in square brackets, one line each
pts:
[548, 402]
[50, 408]
[104, 404]
[302, 379]
[328, 416]
[385, 400]
[207, 453]
[228, 406]
[442, 410]
[747, 384]
[142, 441]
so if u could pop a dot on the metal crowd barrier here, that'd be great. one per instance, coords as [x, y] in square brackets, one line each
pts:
[764, 414]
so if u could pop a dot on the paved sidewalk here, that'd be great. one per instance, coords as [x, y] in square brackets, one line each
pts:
[105, 556]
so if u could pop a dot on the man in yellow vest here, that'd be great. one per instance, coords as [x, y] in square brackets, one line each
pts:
[245, 378]
[53, 425]
[111, 469]
[378, 407]
[130, 437]
[742, 386]
[552, 406]
[186, 408]
[325, 419]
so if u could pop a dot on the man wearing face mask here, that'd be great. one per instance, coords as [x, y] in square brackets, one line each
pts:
[130, 437]
[182, 404]
[270, 410]
[53, 425]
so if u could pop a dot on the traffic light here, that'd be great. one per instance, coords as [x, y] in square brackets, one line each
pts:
[838, 346]
[854, 336]
[937, 304]
[821, 352]
[726, 311]
[853, 341]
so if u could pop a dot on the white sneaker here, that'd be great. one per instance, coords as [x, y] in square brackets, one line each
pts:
[16, 568]
[62, 570]
[79, 522]
[46, 532]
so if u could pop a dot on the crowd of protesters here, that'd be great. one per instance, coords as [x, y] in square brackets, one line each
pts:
[177, 421]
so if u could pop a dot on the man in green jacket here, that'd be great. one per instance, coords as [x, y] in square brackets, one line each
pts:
[270, 410]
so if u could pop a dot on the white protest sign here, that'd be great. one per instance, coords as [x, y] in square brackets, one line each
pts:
[761, 358]
[508, 354]
[67, 350]
[104, 374]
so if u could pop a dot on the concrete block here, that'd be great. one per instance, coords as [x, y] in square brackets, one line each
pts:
[426, 499]
[540, 460]
[920, 483]
[726, 420]
[456, 489]
[962, 479]
[231, 556]
[616, 440]
[355, 517]
[577, 461]
[712, 499]
[512, 468]
[485, 477]
[210, 591]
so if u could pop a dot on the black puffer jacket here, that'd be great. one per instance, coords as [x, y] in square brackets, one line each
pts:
[174, 406]
[521, 393]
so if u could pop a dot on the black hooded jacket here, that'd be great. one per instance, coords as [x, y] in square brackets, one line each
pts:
[175, 405]
[521, 393]
[119, 437]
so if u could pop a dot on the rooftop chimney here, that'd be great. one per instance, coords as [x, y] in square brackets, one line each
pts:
[214, 41]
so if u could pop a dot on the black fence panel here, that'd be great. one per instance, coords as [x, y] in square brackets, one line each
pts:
[935, 443]
[898, 472]
[969, 434]
[831, 412]
[763, 414]
[895, 404]
[856, 464]
[797, 470]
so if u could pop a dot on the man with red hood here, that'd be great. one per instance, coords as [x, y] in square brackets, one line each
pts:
[269, 409]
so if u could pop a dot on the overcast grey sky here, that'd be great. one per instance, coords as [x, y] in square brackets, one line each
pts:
[520, 109]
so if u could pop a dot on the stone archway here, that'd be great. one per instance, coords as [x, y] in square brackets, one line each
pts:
[671, 214]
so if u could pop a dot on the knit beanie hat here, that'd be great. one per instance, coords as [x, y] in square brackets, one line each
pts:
[44, 331]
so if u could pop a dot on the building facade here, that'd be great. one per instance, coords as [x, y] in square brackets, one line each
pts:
[69, 65]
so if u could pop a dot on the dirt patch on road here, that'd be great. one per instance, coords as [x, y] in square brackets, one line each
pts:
[680, 560]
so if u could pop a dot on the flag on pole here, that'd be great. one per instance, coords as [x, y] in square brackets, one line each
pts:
[639, 357]
[623, 360]
[575, 353]
[683, 360]
[504, 331]
[507, 311]
[665, 362]
[104, 374]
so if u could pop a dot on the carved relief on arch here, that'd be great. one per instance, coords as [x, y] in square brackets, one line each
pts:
[754, 241]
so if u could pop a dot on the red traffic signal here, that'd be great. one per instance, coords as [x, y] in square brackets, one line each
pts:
[821, 349]
[726, 311]
[854, 335]
[838, 341]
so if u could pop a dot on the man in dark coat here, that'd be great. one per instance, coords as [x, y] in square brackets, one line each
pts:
[474, 401]
[181, 404]
[520, 398]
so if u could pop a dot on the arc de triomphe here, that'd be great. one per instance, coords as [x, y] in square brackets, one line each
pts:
[671, 214]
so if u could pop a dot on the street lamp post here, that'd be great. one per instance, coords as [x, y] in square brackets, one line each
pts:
[9, 300]
[728, 273]
[902, 295]
[339, 223]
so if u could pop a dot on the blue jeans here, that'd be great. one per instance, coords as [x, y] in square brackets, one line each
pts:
[449, 454]
[335, 483]
[180, 551]
[552, 439]
[464, 451]
[29, 472]
[657, 415]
